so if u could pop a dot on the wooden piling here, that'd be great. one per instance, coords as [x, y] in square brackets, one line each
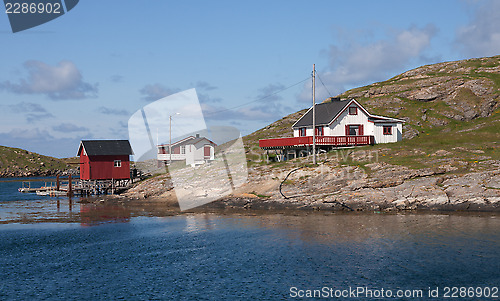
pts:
[70, 186]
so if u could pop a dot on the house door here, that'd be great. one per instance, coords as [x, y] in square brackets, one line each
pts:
[206, 151]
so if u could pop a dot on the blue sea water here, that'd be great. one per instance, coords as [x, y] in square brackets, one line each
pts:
[9, 188]
[239, 257]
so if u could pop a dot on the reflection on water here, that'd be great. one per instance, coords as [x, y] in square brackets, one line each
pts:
[228, 257]
[338, 228]
[62, 210]
[96, 214]
[37, 210]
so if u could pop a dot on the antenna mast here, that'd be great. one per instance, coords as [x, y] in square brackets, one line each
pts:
[314, 111]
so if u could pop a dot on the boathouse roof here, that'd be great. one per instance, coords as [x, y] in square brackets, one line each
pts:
[105, 147]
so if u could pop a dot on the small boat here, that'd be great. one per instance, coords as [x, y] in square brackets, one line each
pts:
[51, 193]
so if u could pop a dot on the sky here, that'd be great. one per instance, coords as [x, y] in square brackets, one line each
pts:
[84, 74]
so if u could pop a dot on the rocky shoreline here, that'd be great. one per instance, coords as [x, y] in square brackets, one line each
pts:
[376, 187]
[34, 173]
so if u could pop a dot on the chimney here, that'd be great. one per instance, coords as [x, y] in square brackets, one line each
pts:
[332, 99]
[197, 135]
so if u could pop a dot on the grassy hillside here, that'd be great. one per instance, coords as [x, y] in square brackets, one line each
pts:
[18, 162]
[452, 114]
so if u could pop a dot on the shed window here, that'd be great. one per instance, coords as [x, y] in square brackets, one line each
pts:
[183, 149]
[353, 111]
[118, 163]
[387, 130]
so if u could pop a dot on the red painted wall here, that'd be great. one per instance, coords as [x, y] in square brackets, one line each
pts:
[84, 167]
[102, 167]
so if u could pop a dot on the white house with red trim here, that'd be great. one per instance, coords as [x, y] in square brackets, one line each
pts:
[194, 149]
[349, 118]
[339, 123]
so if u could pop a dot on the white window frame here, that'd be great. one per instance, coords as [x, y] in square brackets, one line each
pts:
[117, 163]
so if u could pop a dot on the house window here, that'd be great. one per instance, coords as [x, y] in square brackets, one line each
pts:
[387, 130]
[183, 149]
[118, 163]
[302, 132]
[319, 131]
[353, 130]
[353, 111]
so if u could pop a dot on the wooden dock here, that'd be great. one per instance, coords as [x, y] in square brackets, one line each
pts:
[71, 187]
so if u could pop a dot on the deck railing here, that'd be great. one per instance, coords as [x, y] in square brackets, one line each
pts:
[320, 140]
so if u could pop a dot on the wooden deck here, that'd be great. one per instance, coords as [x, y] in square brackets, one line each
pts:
[69, 187]
[282, 143]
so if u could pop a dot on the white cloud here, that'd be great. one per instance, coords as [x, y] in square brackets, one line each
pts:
[153, 92]
[116, 78]
[353, 63]
[481, 37]
[110, 111]
[32, 117]
[68, 128]
[33, 112]
[270, 92]
[25, 107]
[267, 106]
[203, 85]
[63, 81]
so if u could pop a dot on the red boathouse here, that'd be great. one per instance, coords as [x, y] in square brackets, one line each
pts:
[104, 159]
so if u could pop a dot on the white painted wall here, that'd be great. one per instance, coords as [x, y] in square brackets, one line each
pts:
[309, 132]
[400, 131]
[175, 157]
[397, 133]
[337, 128]
[194, 153]
[197, 152]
